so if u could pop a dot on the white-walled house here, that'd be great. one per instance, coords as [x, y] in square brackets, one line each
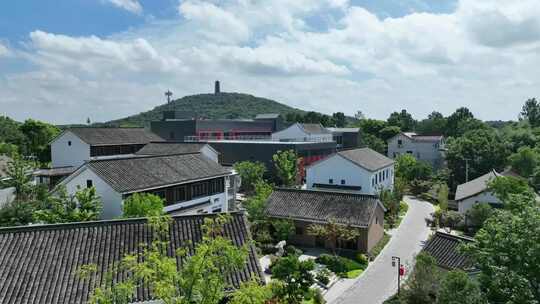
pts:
[362, 171]
[188, 183]
[477, 191]
[76, 145]
[304, 132]
[425, 148]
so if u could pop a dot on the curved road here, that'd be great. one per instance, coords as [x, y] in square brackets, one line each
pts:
[379, 281]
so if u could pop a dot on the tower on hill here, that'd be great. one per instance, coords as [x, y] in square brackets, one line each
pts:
[217, 88]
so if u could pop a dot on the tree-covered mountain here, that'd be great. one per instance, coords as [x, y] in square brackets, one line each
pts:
[212, 106]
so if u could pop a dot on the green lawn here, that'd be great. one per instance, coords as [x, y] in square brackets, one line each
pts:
[354, 273]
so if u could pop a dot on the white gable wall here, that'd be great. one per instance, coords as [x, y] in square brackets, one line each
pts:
[296, 133]
[210, 153]
[483, 197]
[338, 168]
[63, 154]
[424, 151]
[112, 200]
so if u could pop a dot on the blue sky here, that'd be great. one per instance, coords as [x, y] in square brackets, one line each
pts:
[65, 60]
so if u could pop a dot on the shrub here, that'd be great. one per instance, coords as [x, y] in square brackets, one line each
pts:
[323, 276]
[291, 250]
[339, 265]
[317, 297]
[362, 259]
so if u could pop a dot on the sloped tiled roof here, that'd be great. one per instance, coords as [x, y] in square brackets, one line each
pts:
[314, 128]
[38, 264]
[367, 158]
[475, 186]
[444, 248]
[322, 206]
[114, 136]
[170, 148]
[138, 173]
[423, 138]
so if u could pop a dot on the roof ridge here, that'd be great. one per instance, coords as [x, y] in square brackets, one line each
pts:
[341, 193]
[96, 223]
[453, 236]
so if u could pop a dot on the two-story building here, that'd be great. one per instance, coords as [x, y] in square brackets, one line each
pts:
[425, 148]
[363, 171]
[188, 183]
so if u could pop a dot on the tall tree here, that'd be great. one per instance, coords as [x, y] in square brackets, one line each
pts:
[403, 120]
[333, 233]
[506, 251]
[422, 285]
[296, 278]
[38, 135]
[461, 121]
[531, 112]
[458, 288]
[251, 173]
[84, 206]
[525, 161]
[286, 164]
[142, 205]
[435, 124]
[19, 173]
[339, 119]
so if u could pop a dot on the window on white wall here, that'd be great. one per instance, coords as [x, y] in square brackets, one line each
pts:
[343, 182]
[89, 183]
[330, 181]
[69, 143]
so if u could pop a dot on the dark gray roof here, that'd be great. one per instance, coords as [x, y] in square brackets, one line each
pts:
[114, 136]
[138, 173]
[267, 116]
[321, 206]
[38, 264]
[314, 128]
[475, 186]
[58, 171]
[169, 148]
[367, 158]
[444, 248]
[423, 138]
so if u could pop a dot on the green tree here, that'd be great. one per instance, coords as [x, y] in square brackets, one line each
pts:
[339, 119]
[388, 132]
[435, 124]
[283, 229]
[10, 132]
[457, 288]
[373, 142]
[142, 205]
[422, 285]
[296, 278]
[19, 174]
[403, 120]
[506, 250]
[251, 173]
[286, 164]
[38, 135]
[531, 112]
[442, 196]
[334, 233]
[462, 121]
[478, 214]
[256, 203]
[199, 280]
[17, 213]
[252, 293]
[484, 150]
[524, 161]
[391, 201]
[408, 168]
[504, 186]
[84, 206]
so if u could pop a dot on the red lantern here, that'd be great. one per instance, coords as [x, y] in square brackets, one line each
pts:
[401, 271]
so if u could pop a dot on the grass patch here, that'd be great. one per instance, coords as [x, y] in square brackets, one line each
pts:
[339, 265]
[380, 245]
[354, 273]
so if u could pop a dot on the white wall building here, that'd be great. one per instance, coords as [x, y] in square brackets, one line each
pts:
[425, 148]
[188, 183]
[476, 191]
[304, 132]
[363, 171]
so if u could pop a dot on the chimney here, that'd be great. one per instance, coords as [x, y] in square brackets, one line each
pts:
[216, 88]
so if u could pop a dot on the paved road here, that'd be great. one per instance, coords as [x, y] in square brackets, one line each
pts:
[379, 281]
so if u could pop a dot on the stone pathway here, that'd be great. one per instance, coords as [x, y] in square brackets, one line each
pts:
[379, 280]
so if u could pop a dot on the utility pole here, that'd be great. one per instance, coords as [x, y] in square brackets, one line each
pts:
[467, 169]
[168, 94]
[400, 271]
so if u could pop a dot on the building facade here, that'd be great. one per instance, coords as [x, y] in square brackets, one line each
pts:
[362, 171]
[301, 132]
[188, 183]
[346, 138]
[477, 191]
[364, 213]
[429, 149]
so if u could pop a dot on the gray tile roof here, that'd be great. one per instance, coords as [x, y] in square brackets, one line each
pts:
[321, 206]
[170, 148]
[314, 128]
[138, 173]
[344, 130]
[114, 136]
[38, 264]
[444, 248]
[367, 158]
[475, 186]
[423, 138]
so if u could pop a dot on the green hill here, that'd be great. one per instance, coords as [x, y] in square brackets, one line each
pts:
[212, 106]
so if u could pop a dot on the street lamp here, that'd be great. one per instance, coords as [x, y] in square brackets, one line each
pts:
[400, 271]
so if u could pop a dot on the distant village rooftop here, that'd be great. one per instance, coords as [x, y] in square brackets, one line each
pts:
[444, 248]
[171, 148]
[367, 158]
[113, 136]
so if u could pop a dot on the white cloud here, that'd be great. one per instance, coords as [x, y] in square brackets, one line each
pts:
[132, 6]
[4, 51]
[484, 55]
